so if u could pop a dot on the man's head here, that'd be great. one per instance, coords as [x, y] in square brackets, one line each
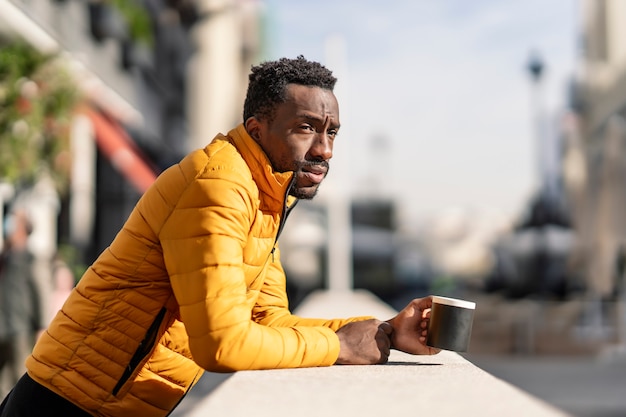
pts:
[292, 113]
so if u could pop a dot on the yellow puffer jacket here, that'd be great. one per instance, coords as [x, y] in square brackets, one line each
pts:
[194, 273]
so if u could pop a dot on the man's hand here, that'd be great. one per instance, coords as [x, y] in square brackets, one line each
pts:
[410, 328]
[364, 342]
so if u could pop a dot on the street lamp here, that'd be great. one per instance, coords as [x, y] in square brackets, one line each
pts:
[536, 69]
[535, 66]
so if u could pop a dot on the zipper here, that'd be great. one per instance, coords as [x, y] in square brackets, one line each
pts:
[283, 218]
[144, 348]
[284, 214]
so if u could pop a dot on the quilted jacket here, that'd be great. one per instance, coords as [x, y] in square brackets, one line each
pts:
[193, 281]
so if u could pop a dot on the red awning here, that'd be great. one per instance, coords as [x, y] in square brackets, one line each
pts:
[121, 151]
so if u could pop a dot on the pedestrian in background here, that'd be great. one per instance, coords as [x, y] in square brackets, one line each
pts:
[20, 309]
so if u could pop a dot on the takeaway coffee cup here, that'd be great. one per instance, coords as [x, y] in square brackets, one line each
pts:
[450, 324]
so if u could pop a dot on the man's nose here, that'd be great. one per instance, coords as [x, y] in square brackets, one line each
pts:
[323, 147]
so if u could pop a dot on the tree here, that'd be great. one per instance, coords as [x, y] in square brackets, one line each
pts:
[37, 98]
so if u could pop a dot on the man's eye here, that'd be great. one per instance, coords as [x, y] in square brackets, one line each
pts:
[307, 127]
[332, 133]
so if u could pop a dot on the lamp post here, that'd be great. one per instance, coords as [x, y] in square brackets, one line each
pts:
[534, 280]
[340, 258]
[536, 70]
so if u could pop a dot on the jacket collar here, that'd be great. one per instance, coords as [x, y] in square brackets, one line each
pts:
[272, 183]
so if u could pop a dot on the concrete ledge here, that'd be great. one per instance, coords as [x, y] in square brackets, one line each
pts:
[443, 385]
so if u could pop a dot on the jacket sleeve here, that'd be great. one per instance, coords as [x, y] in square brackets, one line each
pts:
[272, 307]
[203, 241]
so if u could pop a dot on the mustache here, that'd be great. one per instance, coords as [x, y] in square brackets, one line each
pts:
[304, 164]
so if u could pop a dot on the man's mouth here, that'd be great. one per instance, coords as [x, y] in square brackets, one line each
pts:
[314, 173]
[314, 177]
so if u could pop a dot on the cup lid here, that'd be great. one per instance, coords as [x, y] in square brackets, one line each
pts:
[454, 302]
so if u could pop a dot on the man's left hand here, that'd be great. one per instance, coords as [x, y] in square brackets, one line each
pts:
[410, 328]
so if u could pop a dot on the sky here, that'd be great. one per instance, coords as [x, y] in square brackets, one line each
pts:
[435, 95]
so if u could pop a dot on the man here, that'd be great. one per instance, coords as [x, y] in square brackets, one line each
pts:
[193, 281]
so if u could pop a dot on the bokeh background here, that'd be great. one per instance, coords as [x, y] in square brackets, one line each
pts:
[481, 155]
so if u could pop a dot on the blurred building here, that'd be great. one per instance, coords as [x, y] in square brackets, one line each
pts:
[159, 78]
[374, 250]
[592, 178]
[566, 285]
[596, 139]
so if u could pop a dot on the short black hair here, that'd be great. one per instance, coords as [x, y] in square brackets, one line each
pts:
[268, 82]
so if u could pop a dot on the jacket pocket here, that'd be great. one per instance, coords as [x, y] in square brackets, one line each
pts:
[144, 348]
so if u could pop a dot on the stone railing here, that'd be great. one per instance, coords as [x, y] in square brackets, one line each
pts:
[441, 385]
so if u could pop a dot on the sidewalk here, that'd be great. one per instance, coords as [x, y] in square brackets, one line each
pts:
[586, 386]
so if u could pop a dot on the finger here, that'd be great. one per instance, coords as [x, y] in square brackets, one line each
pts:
[382, 340]
[424, 303]
[384, 356]
[385, 350]
[386, 328]
[433, 351]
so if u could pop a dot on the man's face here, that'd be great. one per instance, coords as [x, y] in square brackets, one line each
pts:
[301, 136]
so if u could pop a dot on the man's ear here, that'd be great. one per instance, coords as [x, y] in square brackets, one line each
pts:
[253, 127]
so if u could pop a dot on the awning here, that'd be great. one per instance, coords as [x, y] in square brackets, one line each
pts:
[121, 151]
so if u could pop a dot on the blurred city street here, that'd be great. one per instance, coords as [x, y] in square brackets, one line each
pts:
[482, 156]
[585, 386]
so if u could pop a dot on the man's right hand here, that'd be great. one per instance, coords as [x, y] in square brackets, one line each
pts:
[364, 342]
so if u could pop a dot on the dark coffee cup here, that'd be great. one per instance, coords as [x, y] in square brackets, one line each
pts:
[450, 326]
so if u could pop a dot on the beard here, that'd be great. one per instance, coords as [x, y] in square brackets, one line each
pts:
[306, 191]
